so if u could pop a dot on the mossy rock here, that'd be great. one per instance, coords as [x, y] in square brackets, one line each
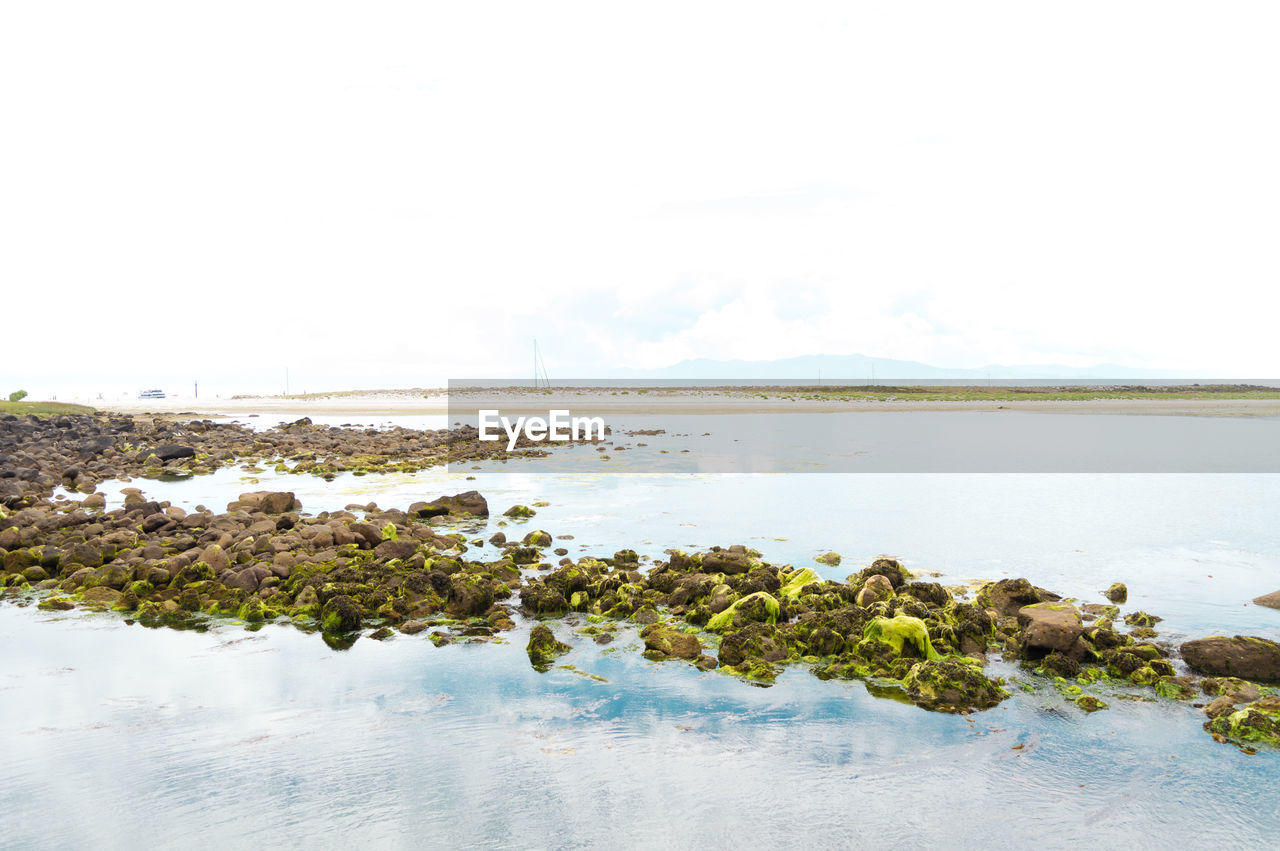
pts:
[1257, 722]
[758, 641]
[1057, 665]
[1175, 688]
[760, 607]
[251, 611]
[1142, 619]
[794, 583]
[544, 647]
[340, 614]
[899, 632]
[537, 538]
[757, 671]
[668, 641]
[951, 685]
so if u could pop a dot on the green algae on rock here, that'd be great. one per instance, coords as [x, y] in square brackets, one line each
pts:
[340, 614]
[955, 684]
[1257, 722]
[899, 631]
[759, 607]
[544, 647]
[795, 583]
[662, 640]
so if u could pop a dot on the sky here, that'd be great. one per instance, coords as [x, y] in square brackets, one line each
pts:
[395, 194]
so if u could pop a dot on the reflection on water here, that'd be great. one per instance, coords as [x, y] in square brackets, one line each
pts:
[152, 737]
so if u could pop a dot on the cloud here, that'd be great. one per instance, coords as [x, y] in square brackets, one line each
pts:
[416, 192]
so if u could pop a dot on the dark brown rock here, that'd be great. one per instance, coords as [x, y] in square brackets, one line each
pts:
[1271, 601]
[1247, 657]
[1047, 627]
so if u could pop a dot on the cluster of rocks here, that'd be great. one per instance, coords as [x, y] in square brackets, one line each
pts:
[413, 571]
[80, 451]
[726, 608]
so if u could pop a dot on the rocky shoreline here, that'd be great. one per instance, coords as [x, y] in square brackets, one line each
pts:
[79, 452]
[372, 571]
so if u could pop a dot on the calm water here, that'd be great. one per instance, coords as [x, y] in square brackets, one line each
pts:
[130, 736]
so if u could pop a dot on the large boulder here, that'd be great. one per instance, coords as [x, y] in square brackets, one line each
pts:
[268, 502]
[470, 502]
[1244, 656]
[1047, 627]
[1271, 601]
[168, 452]
[877, 587]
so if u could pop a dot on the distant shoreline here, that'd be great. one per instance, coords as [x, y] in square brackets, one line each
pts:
[1205, 401]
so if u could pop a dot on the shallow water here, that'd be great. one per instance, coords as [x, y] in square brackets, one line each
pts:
[137, 736]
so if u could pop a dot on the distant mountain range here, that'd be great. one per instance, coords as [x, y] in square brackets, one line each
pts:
[860, 369]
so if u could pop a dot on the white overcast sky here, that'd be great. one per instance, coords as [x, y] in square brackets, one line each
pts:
[392, 194]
